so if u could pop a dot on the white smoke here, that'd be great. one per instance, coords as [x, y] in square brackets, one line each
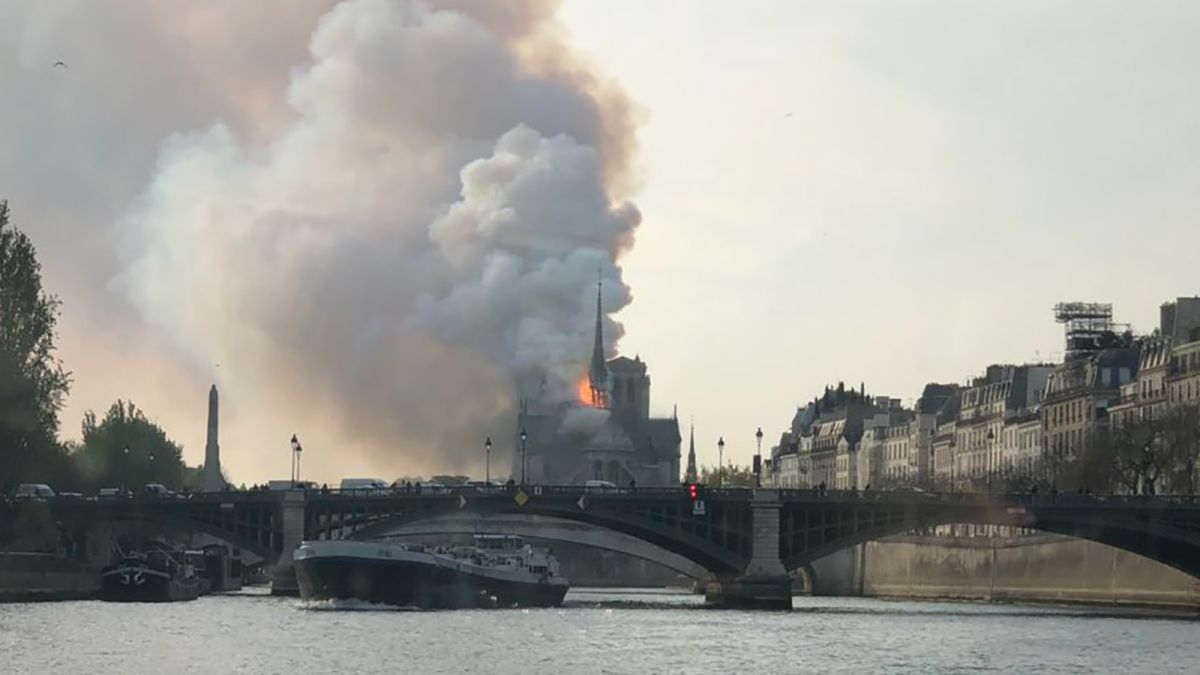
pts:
[426, 232]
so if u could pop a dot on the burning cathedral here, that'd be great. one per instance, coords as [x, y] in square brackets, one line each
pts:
[607, 434]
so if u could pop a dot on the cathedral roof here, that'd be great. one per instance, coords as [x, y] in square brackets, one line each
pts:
[624, 364]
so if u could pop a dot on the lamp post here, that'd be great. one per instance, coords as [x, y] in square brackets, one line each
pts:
[1146, 489]
[487, 462]
[758, 459]
[296, 449]
[125, 468]
[991, 450]
[721, 462]
[953, 461]
[524, 437]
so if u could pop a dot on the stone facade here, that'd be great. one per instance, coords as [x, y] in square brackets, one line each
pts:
[1078, 397]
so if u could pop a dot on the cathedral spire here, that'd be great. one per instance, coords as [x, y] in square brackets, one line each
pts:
[691, 476]
[598, 373]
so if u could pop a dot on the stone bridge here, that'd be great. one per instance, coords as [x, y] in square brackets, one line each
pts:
[747, 539]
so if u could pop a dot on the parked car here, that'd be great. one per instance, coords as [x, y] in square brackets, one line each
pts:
[113, 493]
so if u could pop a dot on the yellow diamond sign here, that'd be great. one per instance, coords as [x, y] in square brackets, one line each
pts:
[521, 498]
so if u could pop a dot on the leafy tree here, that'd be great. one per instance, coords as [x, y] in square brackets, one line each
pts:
[730, 475]
[32, 380]
[127, 449]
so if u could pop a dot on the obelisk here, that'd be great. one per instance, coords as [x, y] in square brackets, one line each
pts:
[211, 480]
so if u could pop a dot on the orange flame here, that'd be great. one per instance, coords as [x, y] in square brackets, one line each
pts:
[584, 390]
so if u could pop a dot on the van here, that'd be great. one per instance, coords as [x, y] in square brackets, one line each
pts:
[33, 491]
[370, 486]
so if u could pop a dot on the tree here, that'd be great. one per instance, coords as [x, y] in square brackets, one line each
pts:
[127, 449]
[32, 380]
[731, 475]
[1180, 437]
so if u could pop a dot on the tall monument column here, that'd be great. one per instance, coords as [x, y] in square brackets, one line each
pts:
[211, 480]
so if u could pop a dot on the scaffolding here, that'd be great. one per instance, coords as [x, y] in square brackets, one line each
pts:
[1088, 325]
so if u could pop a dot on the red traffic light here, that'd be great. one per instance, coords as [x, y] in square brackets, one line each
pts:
[693, 491]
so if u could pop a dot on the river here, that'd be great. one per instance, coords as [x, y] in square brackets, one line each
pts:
[595, 632]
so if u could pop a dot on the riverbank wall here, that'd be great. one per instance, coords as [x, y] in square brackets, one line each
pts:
[33, 577]
[1034, 568]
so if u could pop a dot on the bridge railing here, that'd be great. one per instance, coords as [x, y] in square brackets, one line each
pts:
[983, 498]
[564, 491]
[731, 494]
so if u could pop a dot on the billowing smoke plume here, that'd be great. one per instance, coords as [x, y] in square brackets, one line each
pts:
[420, 239]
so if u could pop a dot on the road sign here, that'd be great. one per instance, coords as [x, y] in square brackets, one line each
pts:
[583, 503]
[698, 508]
[521, 498]
[462, 502]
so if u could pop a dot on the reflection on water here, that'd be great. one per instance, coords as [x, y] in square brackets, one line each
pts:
[597, 631]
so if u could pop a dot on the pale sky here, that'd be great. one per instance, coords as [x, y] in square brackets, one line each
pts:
[893, 192]
[888, 192]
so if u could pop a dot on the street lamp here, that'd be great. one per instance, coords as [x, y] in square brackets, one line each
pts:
[296, 449]
[991, 436]
[721, 462]
[524, 437]
[758, 459]
[953, 461]
[487, 461]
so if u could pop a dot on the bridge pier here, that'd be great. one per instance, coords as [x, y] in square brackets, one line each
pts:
[765, 583]
[283, 575]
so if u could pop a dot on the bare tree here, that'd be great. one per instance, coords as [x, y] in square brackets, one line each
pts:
[1179, 434]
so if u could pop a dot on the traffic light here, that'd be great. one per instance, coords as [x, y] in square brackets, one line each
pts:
[693, 491]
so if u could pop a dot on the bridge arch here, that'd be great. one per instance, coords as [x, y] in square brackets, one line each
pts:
[720, 545]
[1175, 543]
[100, 535]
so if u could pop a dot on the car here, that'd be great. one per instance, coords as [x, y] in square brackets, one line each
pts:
[484, 485]
[156, 490]
[113, 493]
[600, 486]
[33, 491]
[365, 486]
[292, 485]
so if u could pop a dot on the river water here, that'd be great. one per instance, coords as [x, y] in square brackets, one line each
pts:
[595, 632]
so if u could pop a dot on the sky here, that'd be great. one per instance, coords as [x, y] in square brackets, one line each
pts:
[881, 192]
